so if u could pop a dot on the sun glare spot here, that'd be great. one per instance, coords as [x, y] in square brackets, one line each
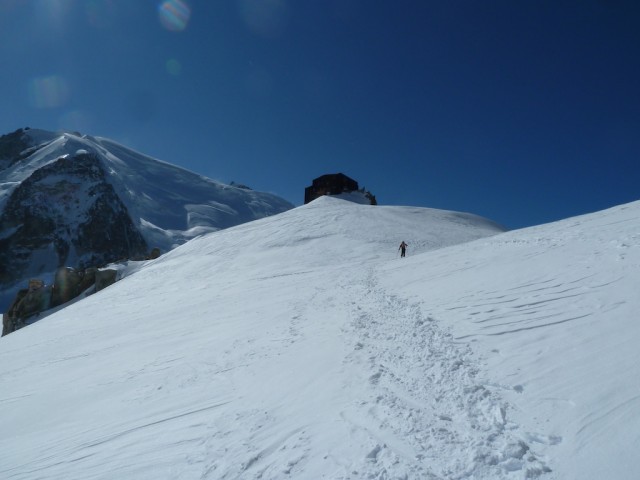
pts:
[174, 67]
[174, 15]
[53, 13]
[48, 92]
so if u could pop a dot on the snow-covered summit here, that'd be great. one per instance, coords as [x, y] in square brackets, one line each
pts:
[71, 199]
[300, 346]
[170, 204]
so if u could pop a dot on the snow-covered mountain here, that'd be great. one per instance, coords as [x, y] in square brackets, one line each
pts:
[300, 346]
[69, 200]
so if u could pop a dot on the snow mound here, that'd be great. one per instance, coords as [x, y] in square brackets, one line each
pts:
[300, 346]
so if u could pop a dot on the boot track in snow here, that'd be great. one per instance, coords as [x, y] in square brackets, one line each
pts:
[426, 400]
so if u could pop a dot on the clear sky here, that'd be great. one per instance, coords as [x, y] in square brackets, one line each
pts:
[521, 111]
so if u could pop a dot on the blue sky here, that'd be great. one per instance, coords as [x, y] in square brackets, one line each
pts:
[521, 111]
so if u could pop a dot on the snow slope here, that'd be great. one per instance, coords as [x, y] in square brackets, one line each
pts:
[554, 312]
[300, 346]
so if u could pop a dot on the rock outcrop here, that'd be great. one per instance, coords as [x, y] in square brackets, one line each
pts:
[28, 303]
[336, 184]
[69, 283]
[37, 213]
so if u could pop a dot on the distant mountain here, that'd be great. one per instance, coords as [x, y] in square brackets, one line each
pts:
[71, 199]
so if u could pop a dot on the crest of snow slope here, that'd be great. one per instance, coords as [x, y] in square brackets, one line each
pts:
[240, 354]
[297, 346]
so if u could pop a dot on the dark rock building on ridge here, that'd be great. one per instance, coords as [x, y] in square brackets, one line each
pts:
[334, 184]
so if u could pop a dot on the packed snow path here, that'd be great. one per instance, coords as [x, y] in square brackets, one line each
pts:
[406, 404]
[298, 347]
[428, 414]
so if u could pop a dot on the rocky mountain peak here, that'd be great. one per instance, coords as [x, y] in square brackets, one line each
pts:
[81, 201]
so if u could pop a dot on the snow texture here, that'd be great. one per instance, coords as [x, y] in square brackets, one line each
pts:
[301, 346]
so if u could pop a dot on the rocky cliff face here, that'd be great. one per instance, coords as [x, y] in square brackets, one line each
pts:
[65, 213]
[80, 201]
[13, 148]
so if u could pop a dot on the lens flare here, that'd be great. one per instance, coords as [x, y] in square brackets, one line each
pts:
[173, 67]
[174, 15]
[53, 14]
[48, 92]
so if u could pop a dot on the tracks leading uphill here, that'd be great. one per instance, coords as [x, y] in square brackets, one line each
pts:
[426, 399]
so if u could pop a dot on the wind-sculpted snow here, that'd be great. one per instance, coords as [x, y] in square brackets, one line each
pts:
[426, 399]
[553, 309]
[300, 346]
[180, 201]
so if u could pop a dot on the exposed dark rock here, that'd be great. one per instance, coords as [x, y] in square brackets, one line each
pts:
[66, 286]
[330, 184]
[12, 146]
[104, 278]
[28, 302]
[37, 213]
[334, 184]
[239, 185]
[38, 298]
[10, 319]
[87, 278]
[35, 301]
[77, 201]
[370, 196]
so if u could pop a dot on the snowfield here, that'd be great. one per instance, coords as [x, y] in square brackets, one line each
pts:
[300, 346]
